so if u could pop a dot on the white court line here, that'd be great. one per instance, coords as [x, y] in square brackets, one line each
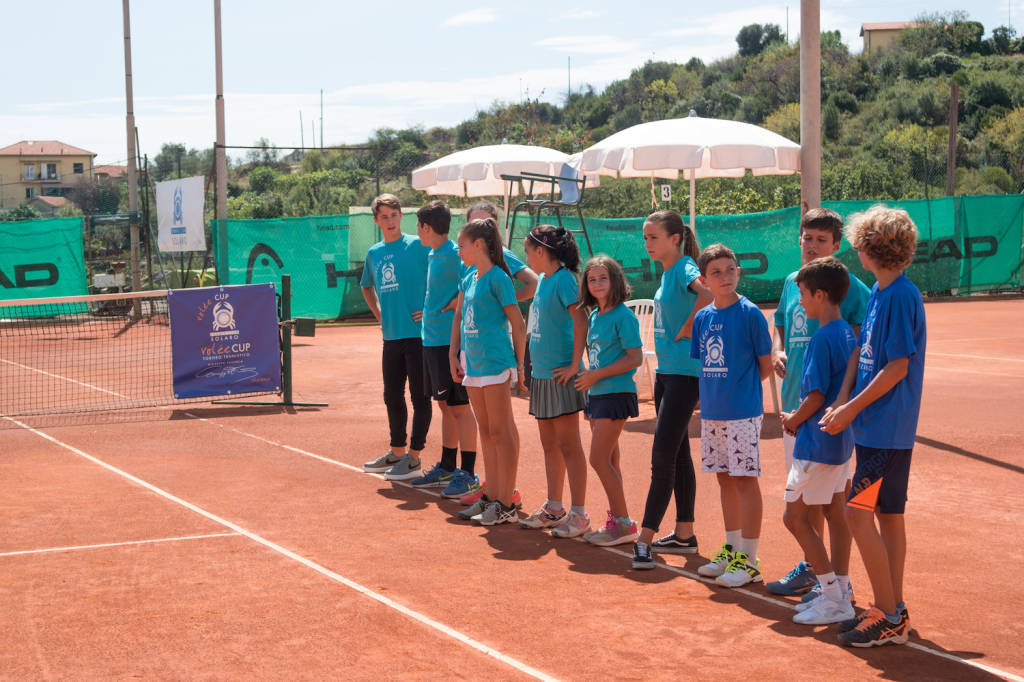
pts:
[63, 378]
[973, 357]
[390, 603]
[628, 555]
[116, 544]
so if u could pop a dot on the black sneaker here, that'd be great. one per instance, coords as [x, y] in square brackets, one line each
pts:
[642, 558]
[875, 629]
[847, 625]
[672, 544]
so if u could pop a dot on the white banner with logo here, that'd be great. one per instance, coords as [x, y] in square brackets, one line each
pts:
[179, 215]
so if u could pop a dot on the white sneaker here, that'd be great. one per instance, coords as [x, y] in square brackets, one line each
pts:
[824, 611]
[572, 526]
[804, 605]
[719, 562]
[741, 572]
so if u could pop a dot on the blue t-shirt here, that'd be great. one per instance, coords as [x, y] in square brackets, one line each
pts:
[551, 327]
[728, 342]
[791, 317]
[485, 336]
[894, 328]
[673, 303]
[398, 272]
[824, 366]
[609, 336]
[444, 272]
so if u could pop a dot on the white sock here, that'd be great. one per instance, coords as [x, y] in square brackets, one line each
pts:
[732, 538]
[844, 582]
[830, 586]
[749, 546]
[554, 505]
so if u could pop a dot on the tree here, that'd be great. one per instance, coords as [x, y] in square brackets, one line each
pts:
[267, 153]
[262, 179]
[659, 97]
[754, 38]
[830, 121]
[1002, 39]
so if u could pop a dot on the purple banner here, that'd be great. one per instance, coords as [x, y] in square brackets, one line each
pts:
[224, 340]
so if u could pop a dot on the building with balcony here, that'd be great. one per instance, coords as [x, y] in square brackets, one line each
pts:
[30, 169]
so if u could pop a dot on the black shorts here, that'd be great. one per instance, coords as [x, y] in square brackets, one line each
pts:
[880, 481]
[612, 406]
[437, 375]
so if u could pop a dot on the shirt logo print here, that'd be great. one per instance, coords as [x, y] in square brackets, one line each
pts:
[388, 277]
[714, 352]
[799, 321]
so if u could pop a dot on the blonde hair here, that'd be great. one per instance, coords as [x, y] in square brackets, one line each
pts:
[886, 235]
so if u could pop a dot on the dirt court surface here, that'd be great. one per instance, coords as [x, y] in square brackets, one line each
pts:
[219, 542]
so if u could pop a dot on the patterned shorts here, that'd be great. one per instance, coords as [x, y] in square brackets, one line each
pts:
[732, 446]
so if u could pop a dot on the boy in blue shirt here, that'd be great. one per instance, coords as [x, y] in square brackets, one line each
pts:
[444, 272]
[730, 337]
[394, 285]
[881, 398]
[818, 475]
[821, 234]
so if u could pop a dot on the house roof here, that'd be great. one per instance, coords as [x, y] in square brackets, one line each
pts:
[889, 26]
[43, 148]
[56, 202]
[112, 171]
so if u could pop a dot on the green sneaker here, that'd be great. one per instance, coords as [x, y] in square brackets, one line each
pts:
[741, 572]
[719, 562]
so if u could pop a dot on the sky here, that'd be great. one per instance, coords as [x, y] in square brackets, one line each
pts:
[398, 65]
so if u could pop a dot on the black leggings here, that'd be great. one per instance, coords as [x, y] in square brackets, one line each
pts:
[675, 397]
[403, 359]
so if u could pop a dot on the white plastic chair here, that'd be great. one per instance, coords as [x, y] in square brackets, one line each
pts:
[643, 308]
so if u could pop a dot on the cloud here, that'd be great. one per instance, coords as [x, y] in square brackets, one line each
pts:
[589, 44]
[580, 14]
[481, 15]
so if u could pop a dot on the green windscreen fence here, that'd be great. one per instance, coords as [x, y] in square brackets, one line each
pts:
[967, 245]
[42, 258]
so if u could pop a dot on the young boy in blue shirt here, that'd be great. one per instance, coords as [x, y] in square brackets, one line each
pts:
[881, 398]
[730, 337]
[394, 284]
[820, 469]
[821, 234]
[458, 427]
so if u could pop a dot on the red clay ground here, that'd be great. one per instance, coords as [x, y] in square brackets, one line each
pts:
[251, 580]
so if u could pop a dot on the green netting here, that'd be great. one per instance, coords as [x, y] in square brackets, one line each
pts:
[967, 244]
[42, 258]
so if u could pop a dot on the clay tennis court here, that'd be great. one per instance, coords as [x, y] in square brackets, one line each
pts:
[206, 541]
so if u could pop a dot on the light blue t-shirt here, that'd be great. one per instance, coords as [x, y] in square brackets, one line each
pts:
[894, 328]
[799, 329]
[398, 272]
[511, 261]
[609, 336]
[444, 272]
[824, 366]
[551, 327]
[728, 342]
[485, 336]
[673, 303]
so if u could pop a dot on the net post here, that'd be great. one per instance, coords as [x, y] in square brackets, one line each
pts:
[286, 338]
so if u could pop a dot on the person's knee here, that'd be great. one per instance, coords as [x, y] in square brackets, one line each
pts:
[858, 520]
[794, 518]
[393, 396]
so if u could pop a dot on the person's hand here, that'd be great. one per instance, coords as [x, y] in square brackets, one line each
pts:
[521, 380]
[451, 305]
[417, 316]
[585, 379]
[563, 374]
[779, 363]
[685, 332]
[787, 423]
[458, 373]
[837, 418]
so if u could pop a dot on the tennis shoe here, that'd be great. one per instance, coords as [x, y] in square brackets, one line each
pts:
[572, 526]
[382, 464]
[810, 597]
[405, 469]
[798, 581]
[740, 572]
[496, 514]
[673, 544]
[474, 493]
[544, 517]
[435, 478]
[642, 559]
[824, 611]
[874, 629]
[462, 483]
[615, 532]
[474, 509]
[719, 562]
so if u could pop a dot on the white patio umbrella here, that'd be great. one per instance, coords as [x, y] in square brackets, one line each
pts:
[700, 147]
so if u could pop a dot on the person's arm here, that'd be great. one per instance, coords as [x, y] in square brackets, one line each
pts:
[856, 330]
[452, 304]
[633, 358]
[518, 325]
[580, 322]
[371, 300]
[529, 279]
[764, 365]
[457, 370]
[835, 420]
[704, 298]
[791, 421]
[779, 351]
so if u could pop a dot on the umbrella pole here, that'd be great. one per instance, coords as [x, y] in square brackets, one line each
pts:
[693, 202]
[505, 198]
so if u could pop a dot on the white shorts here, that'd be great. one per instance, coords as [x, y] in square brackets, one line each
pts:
[731, 446]
[817, 482]
[509, 374]
[788, 445]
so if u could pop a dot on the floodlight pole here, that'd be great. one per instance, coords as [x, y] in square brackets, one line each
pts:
[810, 104]
[219, 152]
[133, 189]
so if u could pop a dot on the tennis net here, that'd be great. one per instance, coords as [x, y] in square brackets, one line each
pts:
[86, 353]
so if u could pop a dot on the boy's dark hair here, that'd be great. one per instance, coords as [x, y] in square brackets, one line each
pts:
[673, 224]
[887, 235]
[435, 214]
[389, 200]
[619, 291]
[559, 241]
[485, 206]
[714, 252]
[826, 274]
[824, 219]
[487, 229]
